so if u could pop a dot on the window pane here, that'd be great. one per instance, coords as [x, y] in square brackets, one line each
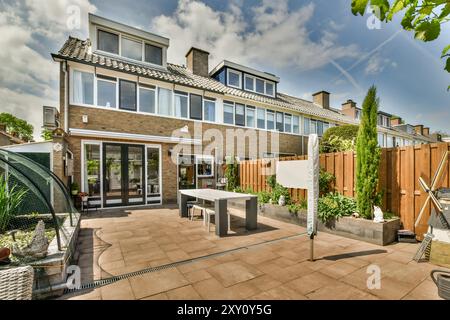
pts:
[306, 126]
[147, 101]
[83, 87]
[260, 86]
[269, 88]
[280, 125]
[181, 106]
[164, 102]
[153, 54]
[249, 83]
[196, 106]
[270, 121]
[240, 115]
[153, 174]
[228, 113]
[234, 79]
[210, 111]
[287, 123]
[132, 49]
[250, 117]
[313, 127]
[106, 94]
[127, 95]
[296, 124]
[320, 128]
[326, 126]
[108, 42]
[91, 170]
[261, 115]
[381, 140]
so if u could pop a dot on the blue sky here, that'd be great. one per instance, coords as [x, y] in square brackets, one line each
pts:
[310, 45]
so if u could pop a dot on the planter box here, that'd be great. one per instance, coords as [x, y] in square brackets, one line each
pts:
[359, 229]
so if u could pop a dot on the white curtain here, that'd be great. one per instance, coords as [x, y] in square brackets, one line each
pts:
[77, 87]
[165, 102]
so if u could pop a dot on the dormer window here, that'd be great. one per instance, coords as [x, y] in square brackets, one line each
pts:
[153, 54]
[108, 42]
[234, 79]
[269, 88]
[132, 49]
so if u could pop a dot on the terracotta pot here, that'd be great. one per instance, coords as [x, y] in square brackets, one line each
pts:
[4, 253]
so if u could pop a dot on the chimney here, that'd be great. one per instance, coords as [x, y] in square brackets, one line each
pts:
[322, 98]
[419, 129]
[197, 62]
[426, 131]
[396, 121]
[349, 108]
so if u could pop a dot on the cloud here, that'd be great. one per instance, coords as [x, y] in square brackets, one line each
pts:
[28, 75]
[273, 35]
[376, 64]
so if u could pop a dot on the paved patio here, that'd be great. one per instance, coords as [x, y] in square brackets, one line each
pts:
[116, 242]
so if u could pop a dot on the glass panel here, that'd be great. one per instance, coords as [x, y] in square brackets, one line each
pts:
[326, 126]
[153, 54]
[234, 79]
[153, 174]
[186, 172]
[108, 42]
[260, 86]
[250, 117]
[240, 115]
[296, 124]
[270, 121]
[113, 173]
[147, 100]
[92, 169]
[261, 115]
[313, 127]
[320, 128]
[269, 88]
[280, 125]
[164, 102]
[249, 85]
[106, 94]
[127, 95]
[306, 126]
[83, 87]
[204, 167]
[196, 106]
[181, 106]
[228, 113]
[381, 140]
[287, 123]
[210, 111]
[135, 172]
[132, 49]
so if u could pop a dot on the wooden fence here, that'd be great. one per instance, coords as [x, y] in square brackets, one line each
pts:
[400, 170]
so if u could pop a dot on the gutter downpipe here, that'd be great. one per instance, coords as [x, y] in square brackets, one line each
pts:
[66, 97]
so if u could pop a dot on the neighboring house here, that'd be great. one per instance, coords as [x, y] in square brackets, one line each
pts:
[125, 109]
[7, 139]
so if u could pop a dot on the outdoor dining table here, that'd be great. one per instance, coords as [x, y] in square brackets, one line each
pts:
[220, 199]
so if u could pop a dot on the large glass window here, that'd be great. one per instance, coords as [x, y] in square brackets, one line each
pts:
[270, 120]
[92, 170]
[287, 123]
[326, 126]
[260, 86]
[261, 118]
[196, 107]
[108, 42]
[250, 117]
[313, 127]
[153, 54]
[209, 110]
[296, 124]
[147, 100]
[127, 95]
[270, 89]
[381, 140]
[234, 78]
[181, 105]
[390, 141]
[319, 128]
[153, 173]
[228, 113]
[205, 167]
[280, 124]
[83, 87]
[249, 83]
[165, 102]
[132, 49]
[240, 115]
[106, 93]
[306, 126]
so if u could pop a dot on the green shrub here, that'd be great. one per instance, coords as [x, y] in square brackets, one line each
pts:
[279, 191]
[334, 205]
[339, 138]
[264, 197]
[326, 181]
[272, 181]
[11, 196]
[232, 175]
[295, 207]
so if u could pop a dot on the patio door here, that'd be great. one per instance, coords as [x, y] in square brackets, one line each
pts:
[123, 174]
[187, 173]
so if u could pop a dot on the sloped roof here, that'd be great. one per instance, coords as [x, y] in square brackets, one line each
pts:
[81, 51]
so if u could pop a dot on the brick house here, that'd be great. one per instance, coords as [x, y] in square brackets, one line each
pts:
[127, 112]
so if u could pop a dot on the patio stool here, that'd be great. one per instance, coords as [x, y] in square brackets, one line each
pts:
[191, 210]
[207, 218]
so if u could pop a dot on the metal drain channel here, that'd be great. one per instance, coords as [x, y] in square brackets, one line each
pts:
[103, 282]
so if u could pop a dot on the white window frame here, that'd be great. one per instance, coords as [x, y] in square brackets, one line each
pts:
[160, 178]
[264, 86]
[72, 87]
[237, 73]
[253, 81]
[246, 116]
[298, 123]
[131, 39]
[273, 86]
[265, 118]
[96, 79]
[234, 113]
[188, 104]
[204, 157]
[287, 116]
[155, 90]
[204, 100]
[274, 120]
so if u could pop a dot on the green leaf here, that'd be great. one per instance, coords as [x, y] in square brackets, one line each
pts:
[408, 19]
[446, 49]
[359, 6]
[428, 30]
[447, 66]
[445, 12]
[396, 7]
[381, 8]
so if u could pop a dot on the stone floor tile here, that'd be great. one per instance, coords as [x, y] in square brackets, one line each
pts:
[157, 282]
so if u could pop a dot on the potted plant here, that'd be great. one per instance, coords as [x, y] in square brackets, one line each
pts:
[74, 188]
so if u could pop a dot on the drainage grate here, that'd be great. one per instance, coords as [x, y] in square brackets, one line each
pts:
[103, 282]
